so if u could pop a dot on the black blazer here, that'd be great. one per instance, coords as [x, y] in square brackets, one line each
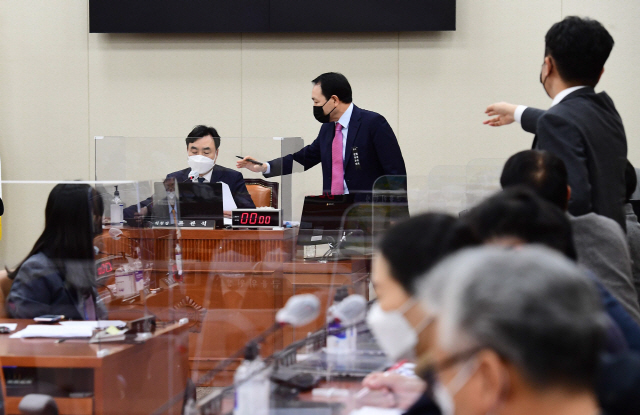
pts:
[377, 148]
[586, 132]
[222, 174]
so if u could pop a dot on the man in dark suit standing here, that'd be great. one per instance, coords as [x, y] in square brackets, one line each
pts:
[582, 127]
[355, 147]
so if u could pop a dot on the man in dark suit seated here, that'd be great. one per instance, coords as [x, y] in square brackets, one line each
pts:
[582, 127]
[202, 151]
[355, 147]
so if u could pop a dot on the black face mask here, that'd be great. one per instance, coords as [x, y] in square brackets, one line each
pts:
[544, 81]
[318, 113]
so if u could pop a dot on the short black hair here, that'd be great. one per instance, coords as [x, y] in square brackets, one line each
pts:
[333, 83]
[631, 180]
[415, 245]
[519, 212]
[541, 171]
[200, 131]
[580, 48]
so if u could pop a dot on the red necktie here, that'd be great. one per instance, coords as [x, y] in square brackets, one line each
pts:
[337, 168]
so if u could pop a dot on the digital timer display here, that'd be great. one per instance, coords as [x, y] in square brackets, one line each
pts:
[255, 218]
[104, 268]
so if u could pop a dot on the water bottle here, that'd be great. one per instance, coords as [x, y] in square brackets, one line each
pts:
[337, 341]
[125, 281]
[117, 209]
[178, 264]
[138, 272]
[252, 384]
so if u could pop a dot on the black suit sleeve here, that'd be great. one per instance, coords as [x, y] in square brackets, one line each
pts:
[530, 118]
[388, 149]
[309, 156]
[562, 138]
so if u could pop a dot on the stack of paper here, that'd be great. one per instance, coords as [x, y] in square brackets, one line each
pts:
[100, 324]
[370, 410]
[54, 331]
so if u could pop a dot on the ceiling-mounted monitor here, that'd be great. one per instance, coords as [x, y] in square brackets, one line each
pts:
[265, 16]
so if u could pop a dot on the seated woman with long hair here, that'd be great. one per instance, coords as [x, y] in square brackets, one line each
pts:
[58, 276]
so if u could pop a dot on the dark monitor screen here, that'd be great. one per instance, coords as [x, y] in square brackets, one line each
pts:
[194, 203]
[199, 201]
[322, 218]
[269, 16]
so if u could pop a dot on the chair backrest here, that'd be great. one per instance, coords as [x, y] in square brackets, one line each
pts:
[5, 287]
[263, 193]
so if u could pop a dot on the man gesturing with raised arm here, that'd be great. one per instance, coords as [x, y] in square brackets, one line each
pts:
[582, 127]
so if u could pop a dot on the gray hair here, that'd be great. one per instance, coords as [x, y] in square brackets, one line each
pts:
[532, 306]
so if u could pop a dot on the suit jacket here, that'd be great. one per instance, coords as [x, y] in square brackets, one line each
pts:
[40, 287]
[586, 132]
[377, 147]
[222, 174]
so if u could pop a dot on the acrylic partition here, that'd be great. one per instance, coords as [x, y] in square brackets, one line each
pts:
[65, 263]
[301, 293]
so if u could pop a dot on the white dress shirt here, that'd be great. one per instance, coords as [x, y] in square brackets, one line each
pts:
[517, 115]
[344, 122]
[207, 177]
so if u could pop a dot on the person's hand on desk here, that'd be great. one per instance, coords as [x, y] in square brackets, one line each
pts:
[503, 114]
[394, 390]
[227, 214]
[256, 168]
[139, 216]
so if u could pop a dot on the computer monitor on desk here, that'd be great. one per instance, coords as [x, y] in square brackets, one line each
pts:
[197, 205]
[329, 220]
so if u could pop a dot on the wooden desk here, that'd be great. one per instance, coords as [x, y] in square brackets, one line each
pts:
[126, 378]
[206, 245]
[234, 282]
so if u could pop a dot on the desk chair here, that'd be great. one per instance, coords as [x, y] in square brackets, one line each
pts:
[263, 193]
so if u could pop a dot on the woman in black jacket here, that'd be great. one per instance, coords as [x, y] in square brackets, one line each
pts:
[58, 276]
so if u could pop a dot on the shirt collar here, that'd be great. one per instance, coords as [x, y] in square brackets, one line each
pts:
[207, 177]
[563, 94]
[346, 117]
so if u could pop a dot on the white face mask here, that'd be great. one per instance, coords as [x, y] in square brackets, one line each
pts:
[395, 336]
[201, 164]
[171, 196]
[444, 395]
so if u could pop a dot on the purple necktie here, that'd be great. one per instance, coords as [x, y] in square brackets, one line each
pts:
[337, 169]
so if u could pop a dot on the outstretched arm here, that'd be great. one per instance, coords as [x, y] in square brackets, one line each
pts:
[502, 113]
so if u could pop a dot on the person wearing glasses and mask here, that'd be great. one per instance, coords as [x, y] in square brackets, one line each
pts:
[398, 322]
[517, 332]
[355, 147]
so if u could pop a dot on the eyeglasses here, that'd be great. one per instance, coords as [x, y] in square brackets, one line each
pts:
[429, 368]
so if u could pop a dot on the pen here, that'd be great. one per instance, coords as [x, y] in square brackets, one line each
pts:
[250, 160]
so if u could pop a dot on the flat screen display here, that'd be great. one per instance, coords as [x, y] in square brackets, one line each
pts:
[264, 16]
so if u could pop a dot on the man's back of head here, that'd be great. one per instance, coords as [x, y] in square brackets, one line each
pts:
[580, 47]
[540, 171]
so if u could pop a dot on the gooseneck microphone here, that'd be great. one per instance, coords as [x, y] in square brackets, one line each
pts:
[193, 175]
[299, 310]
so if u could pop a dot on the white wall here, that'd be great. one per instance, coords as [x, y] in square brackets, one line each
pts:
[60, 86]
